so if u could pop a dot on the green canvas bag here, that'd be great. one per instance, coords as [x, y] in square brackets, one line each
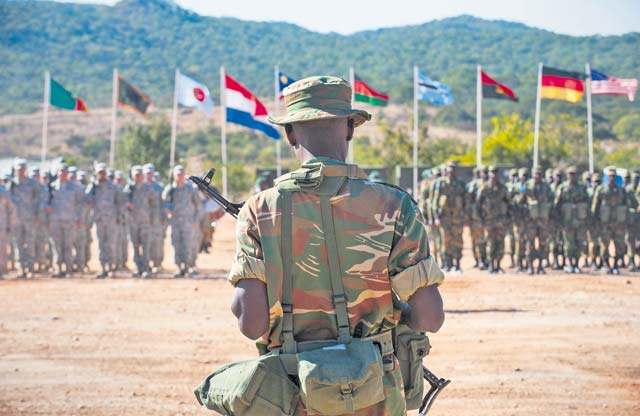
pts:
[410, 348]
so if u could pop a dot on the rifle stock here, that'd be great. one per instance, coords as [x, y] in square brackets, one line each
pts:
[204, 185]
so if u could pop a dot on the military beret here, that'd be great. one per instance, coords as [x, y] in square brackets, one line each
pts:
[572, 169]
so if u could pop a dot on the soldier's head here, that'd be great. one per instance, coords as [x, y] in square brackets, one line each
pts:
[611, 176]
[572, 174]
[513, 174]
[111, 174]
[63, 172]
[451, 168]
[523, 174]
[73, 174]
[484, 173]
[536, 173]
[476, 172]
[635, 178]
[320, 120]
[557, 176]
[149, 171]
[82, 177]
[20, 168]
[586, 177]
[101, 172]
[548, 174]
[34, 173]
[627, 177]
[179, 175]
[137, 174]
[493, 175]
[436, 172]
[119, 177]
[596, 179]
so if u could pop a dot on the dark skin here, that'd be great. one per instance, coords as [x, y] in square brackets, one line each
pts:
[424, 310]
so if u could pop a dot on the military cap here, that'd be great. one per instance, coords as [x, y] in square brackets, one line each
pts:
[63, 166]
[493, 168]
[425, 173]
[586, 175]
[20, 163]
[523, 171]
[73, 169]
[513, 172]
[148, 168]
[317, 98]
[100, 167]
[82, 174]
[6, 176]
[626, 173]
[572, 169]
[548, 172]
[476, 170]
[537, 170]
[453, 163]
[34, 170]
[119, 174]
[557, 171]
[611, 170]
[110, 172]
[178, 169]
[595, 176]
[485, 169]
[435, 171]
[136, 169]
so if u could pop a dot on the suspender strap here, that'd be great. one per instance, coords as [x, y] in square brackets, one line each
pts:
[287, 277]
[339, 299]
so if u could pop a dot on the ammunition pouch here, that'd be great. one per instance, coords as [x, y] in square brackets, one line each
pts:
[458, 202]
[621, 214]
[583, 210]
[539, 210]
[605, 214]
[259, 387]
[410, 348]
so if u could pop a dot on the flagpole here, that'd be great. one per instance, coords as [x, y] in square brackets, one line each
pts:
[537, 122]
[479, 118]
[223, 129]
[352, 80]
[587, 69]
[45, 115]
[415, 131]
[174, 121]
[114, 112]
[276, 106]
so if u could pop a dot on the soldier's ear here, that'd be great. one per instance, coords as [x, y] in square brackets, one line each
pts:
[291, 135]
[350, 129]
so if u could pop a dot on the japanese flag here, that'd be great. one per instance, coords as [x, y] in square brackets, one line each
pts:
[194, 94]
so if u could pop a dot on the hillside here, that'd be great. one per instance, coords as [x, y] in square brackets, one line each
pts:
[147, 39]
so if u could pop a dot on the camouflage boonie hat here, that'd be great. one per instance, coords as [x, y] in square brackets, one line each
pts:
[493, 168]
[435, 171]
[586, 175]
[523, 171]
[572, 169]
[595, 176]
[548, 172]
[317, 98]
[626, 174]
[611, 170]
[535, 171]
[513, 172]
[557, 172]
[100, 167]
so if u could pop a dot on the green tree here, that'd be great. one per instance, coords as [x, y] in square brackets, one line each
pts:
[146, 143]
[628, 127]
[510, 142]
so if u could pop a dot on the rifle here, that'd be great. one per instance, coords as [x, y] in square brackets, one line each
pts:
[204, 185]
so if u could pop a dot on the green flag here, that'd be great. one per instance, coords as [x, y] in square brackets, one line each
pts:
[132, 98]
[61, 98]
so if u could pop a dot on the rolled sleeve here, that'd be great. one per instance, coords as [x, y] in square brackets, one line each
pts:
[249, 262]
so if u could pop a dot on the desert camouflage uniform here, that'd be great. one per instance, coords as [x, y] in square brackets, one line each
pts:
[104, 197]
[143, 217]
[82, 245]
[572, 202]
[450, 211]
[121, 253]
[158, 230]
[493, 201]
[65, 204]
[8, 220]
[42, 251]
[28, 200]
[383, 250]
[610, 208]
[183, 203]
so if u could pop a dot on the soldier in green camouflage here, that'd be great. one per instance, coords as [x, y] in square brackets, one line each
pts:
[513, 188]
[633, 221]
[586, 182]
[478, 246]
[611, 207]
[572, 202]
[538, 198]
[556, 246]
[493, 200]
[520, 214]
[596, 227]
[369, 236]
[449, 214]
[435, 235]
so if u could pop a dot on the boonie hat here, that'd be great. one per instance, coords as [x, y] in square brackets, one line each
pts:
[177, 169]
[100, 167]
[317, 98]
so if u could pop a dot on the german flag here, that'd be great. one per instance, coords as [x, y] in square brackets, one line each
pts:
[557, 84]
[493, 89]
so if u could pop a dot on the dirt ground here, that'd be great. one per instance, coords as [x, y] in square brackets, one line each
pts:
[511, 344]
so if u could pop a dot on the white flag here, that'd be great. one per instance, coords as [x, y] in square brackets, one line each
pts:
[194, 94]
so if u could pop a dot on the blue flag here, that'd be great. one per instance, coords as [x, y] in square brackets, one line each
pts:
[283, 82]
[433, 91]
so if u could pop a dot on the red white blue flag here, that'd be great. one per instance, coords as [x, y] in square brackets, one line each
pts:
[603, 84]
[245, 109]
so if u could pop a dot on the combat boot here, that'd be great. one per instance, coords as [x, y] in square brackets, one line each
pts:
[607, 265]
[498, 267]
[512, 263]
[576, 268]
[530, 267]
[632, 264]
[492, 268]
[586, 263]
[476, 263]
[540, 268]
[60, 273]
[103, 273]
[615, 269]
[556, 265]
[456, 266]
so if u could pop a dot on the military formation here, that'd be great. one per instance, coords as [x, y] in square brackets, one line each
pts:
[554, 219]
[46, 220]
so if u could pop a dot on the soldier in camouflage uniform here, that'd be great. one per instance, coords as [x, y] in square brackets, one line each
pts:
[64, 208]
[8, 220]
[513, 187]
[42, 252]
[611, 207]
[556, 246]
[182, 205]
[520, 215]
[586, 181]
[595, 227]
[435, 236]
[27, 198]
[538, 198]
[572, 202]
[82, 244]
[156, 249]
[449, 214]
[103, 197]
[143, 217]
[493, 200]
[633, 222]
[478, 247]
[122, 242]
[379, 233]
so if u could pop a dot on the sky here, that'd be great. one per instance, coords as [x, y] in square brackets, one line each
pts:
[572, 17]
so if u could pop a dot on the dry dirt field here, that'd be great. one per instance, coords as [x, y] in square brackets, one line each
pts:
[511, 344]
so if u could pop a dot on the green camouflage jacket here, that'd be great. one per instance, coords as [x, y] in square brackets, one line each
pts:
[382, 243]
[450, 200]
[493, 201]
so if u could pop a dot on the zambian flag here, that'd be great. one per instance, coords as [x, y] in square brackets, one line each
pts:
[61, 98]
[557, 84]
[132, 98]
[366, 94]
